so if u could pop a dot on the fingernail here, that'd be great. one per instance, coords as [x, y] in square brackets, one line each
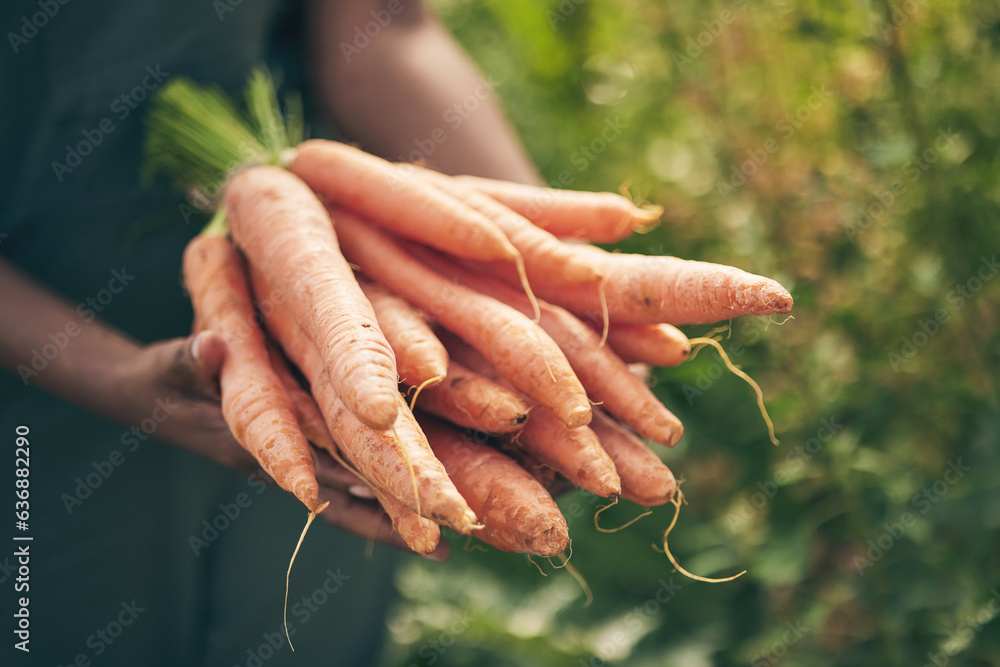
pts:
[360, 491]
[196, 347]
[439, 555]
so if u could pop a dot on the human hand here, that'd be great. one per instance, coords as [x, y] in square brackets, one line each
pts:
[180, 378]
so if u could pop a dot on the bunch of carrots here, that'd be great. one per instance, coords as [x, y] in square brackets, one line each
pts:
[449, 340]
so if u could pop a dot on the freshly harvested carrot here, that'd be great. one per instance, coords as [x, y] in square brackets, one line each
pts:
[286, 233]
[254, 403]
[602, 217]
[398, 462]
[472, 401]
[603, 374]
[420, 534]
[518, 514]
[375, 188]
[574, 452]
[641, 289]
[521, 351]
[420, 356]
[307, 413]
[546, 259]
[646, 480]
[655, 344]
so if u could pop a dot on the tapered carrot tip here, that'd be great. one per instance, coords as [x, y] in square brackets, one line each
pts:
[550, 542]
[675, 433]
[379, 411]
[576, 416]
[648, 214]
[776, 297]
[468, 524]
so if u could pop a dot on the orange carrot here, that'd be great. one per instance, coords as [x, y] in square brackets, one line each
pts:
[574, 452]
[546, 259]
[307, 413]
[410, 207]
[254, 403]
[286, 233]
[602, 217]
[646, 480]
[605, 376]
[472, 401]
[420, 534]
[520, 350]
[518, 514]
[655, 344]
[399, 462]
[647, 290]
[420, 356]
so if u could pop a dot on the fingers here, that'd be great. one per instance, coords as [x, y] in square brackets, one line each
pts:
[366, 519]
[192, 364]
[332, 474]
[360, 517]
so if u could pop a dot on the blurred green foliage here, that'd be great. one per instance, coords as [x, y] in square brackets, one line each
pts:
[849, 150]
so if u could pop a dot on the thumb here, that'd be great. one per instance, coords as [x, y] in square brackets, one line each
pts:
[198, 362]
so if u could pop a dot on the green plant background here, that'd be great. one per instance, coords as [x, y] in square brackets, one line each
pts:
[862, 548]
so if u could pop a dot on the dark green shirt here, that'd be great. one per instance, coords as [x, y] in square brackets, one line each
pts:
[144, 554]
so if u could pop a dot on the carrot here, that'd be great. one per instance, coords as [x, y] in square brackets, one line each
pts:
[521, 351]
[602, 217]
[605, 376]
[646, 480]
[307, 413]
[410, 207]
[399, 462]
[420, 356]
[420, 534]
[254, 403]
[574, 452]
[646, 290]
[518, 514]
[655, 344]
[546, 259]
[472, 401]
[286, 233]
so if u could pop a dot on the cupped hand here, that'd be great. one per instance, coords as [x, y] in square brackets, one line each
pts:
[179, 379]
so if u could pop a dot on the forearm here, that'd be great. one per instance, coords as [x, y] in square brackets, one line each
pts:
[46, 342]
[410, 93]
